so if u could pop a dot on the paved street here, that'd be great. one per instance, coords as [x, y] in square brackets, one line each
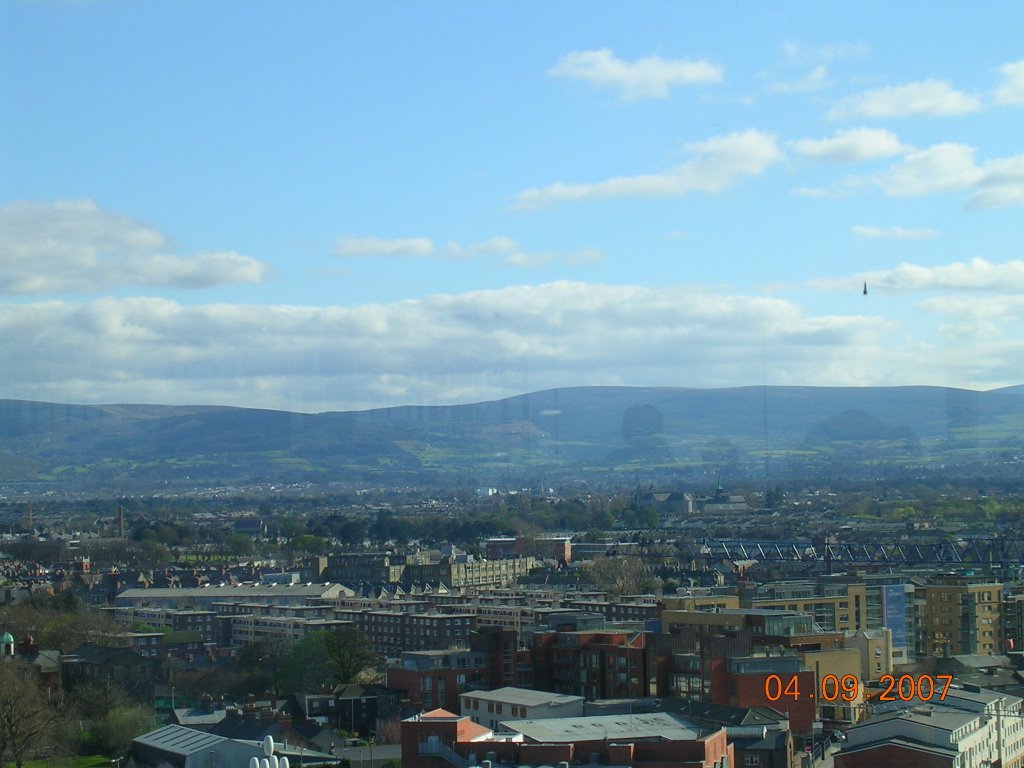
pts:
[360, 757]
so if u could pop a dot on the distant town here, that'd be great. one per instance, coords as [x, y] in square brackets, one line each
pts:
[844, 624]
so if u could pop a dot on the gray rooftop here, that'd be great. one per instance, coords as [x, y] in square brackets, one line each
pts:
[234, 593]
[658, 725]
[180, 740]
[957, 698]
[945, 720]
[524, 696]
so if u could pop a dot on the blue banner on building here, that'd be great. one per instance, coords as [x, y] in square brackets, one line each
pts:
[894, 598]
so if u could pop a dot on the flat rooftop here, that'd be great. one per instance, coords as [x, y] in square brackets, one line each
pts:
[657, 725]
[524, 697]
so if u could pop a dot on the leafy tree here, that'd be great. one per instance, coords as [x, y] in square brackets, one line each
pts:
[602, 519]
[350, 653]
[307, 666]
[265, 661]
[290, 528]
[617, 575]
[51, 626]
[309, 544]
[648, 518]
[113, 719]
[238, 544]
[114, 731]
[318, 660]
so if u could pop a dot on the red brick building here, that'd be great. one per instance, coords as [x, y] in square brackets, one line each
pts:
[648, 741]
[594, 664]
[434, 679]
[904, 753]
[744, 682]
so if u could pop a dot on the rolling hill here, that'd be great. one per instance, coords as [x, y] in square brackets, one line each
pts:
[588, 432]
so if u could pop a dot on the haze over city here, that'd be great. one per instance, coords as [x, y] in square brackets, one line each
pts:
[360, 205]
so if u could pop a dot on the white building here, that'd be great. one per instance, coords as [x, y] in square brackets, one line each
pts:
[968, 728]
[492, 708]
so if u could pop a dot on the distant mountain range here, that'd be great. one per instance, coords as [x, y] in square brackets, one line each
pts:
[586, 433]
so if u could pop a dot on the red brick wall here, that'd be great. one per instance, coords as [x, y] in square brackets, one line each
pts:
[409, 680]
[891, 754]
[415, 732]
[749, 691]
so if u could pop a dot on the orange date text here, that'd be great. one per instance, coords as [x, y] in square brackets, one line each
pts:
[849, 688]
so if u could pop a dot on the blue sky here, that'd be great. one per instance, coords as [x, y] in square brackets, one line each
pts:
[321, 206]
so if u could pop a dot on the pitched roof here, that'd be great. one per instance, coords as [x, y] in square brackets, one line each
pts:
[179, 740]
[437, 713]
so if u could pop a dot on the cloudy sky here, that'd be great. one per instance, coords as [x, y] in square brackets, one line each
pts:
[323, 206]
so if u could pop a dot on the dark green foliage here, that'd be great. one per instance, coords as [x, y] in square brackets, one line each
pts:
[323, 659]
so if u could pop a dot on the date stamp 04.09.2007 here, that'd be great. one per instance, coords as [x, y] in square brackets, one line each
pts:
[849, 688]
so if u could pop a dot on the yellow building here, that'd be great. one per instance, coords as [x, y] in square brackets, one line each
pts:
[700, 602]
[834, 607]
[875, 649]
[960, 615]
[839, 689]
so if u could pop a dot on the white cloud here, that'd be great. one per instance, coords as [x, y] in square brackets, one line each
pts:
[976, 275]
[852, 145]
[440, 349]
[832, 52]
[964, 316]
[649, 77]
[952, 167]
[77, 247]
[349, 246]
[718, 163]
[493, 246]
[939, 168]
[1011, 90]
[929, 97]
[817, 192]
[815, 80]
[1001, 185]
[580, 258]
[512, 253]
[891, 233]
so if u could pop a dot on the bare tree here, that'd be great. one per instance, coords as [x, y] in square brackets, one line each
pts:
[26, 713]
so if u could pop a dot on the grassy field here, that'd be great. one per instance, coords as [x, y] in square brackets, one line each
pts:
[89, 761]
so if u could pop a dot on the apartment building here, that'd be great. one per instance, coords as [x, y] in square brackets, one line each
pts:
[701, 600]
[174, 620]
[430, 679]
[244, 629]
[835, 607]
[391, 632]
[460, 572]
[960, 614]
[595, 664]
